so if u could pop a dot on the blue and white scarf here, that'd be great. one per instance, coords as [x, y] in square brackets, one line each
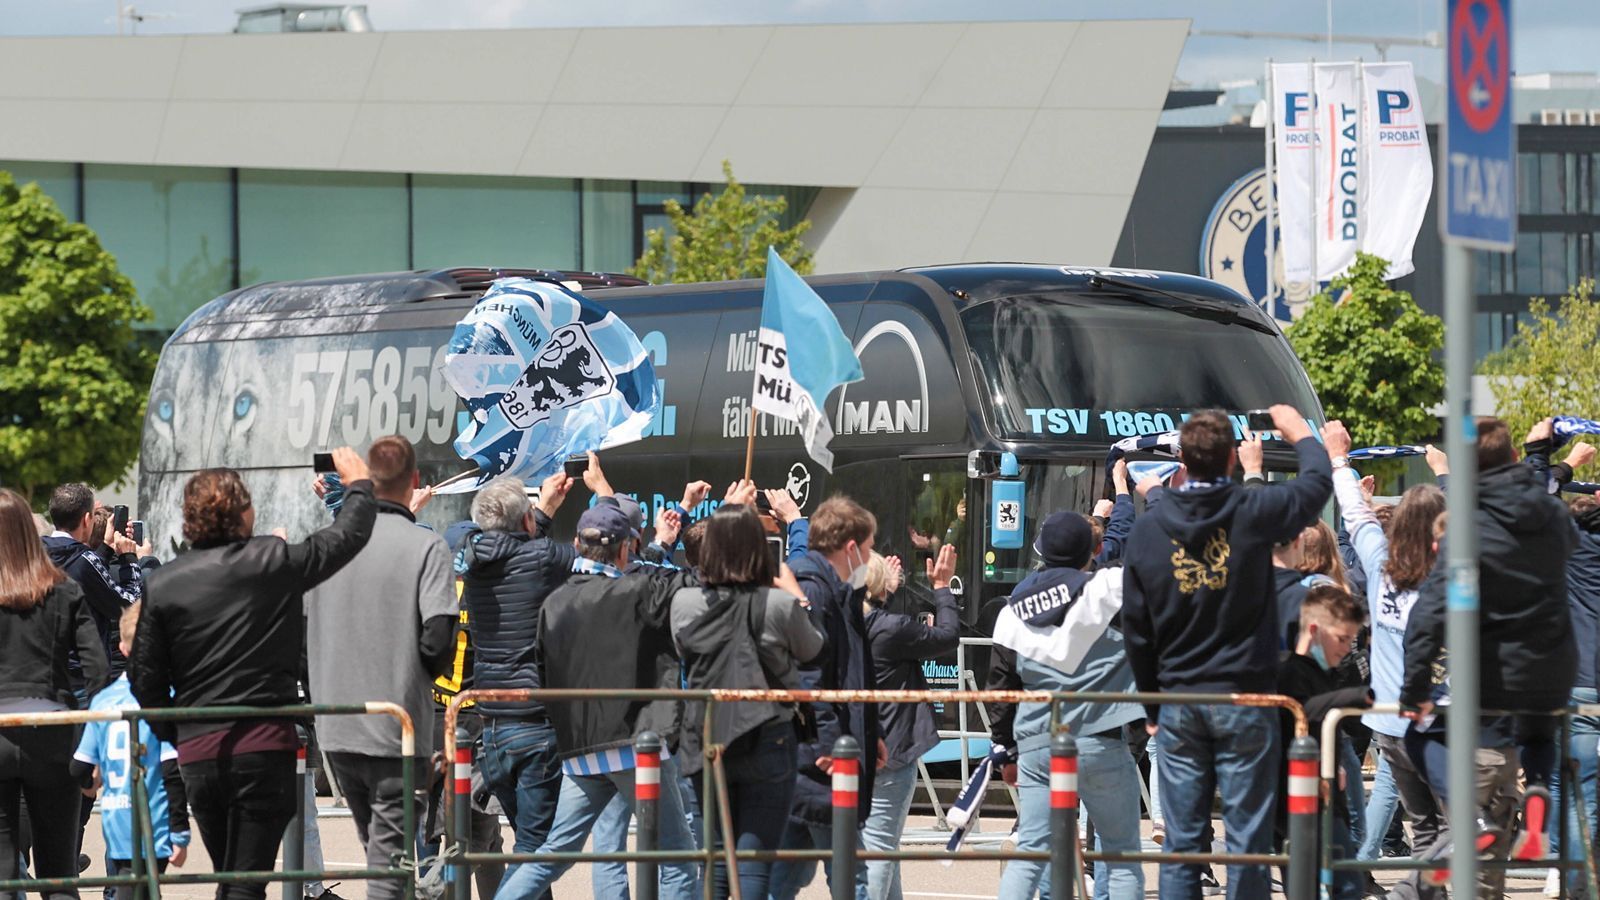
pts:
[1162, 444]
[1384, 451]
[1567, 426]
[969, 802]
[1581, 487]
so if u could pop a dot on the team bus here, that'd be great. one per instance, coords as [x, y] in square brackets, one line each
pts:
[962, 363]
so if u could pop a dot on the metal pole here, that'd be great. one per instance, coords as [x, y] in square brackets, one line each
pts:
[1302, 883]
[1461, 628]
[461, 815]
[1269, 138]
[408, 819]
[647, 809]
[846, 787]
[1063, 816]
[1315, 197]
[294, 837]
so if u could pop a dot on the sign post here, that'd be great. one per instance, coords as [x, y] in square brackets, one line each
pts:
[1478, 198]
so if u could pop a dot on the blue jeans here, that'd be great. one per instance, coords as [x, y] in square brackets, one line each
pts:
[1381, 807]
[1108, 786]
[1203, 749]
[1355, 794]
[610, 879]
[1583, 746]
[891, 803]
[521, 770]
[788, 878]
[760, 770]
[583, 799]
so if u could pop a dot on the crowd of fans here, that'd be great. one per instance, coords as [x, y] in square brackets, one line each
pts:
[1226, 582]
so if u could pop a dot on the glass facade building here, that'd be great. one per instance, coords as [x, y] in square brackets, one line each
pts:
[184, 235]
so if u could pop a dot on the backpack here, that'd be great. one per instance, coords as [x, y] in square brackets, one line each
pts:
[730, 630]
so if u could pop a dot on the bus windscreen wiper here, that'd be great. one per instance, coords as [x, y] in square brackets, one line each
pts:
[1188, 306]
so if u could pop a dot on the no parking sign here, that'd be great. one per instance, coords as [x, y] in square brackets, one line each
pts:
[1479, 175]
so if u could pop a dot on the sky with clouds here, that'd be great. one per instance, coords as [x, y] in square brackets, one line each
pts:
[1551, 35]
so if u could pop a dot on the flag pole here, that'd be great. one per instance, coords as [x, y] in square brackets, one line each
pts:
[750, 441]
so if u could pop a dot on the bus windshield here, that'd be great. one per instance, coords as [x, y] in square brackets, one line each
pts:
[1106, 366]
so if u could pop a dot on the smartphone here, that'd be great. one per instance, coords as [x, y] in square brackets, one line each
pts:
[138, 531]
[323, 462]
[763, 505]
[119, 519]
[575, 466]
[1260, 421]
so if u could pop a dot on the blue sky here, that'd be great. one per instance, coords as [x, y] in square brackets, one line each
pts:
[1552, 35]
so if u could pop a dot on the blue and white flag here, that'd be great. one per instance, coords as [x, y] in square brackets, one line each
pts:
[794, 378]
[545, 374]
[1162, 444]
[1581, 487]
[1387, 452]
[1567, 426]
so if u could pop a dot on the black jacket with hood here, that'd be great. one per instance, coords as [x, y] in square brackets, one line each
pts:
[614, 632]
[1526, 654]
[224, 624]
[899, 645]
[37, 644]
[844, 664]
[1199, 606]
[506, 577]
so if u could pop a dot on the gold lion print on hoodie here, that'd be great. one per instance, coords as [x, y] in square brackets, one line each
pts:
[1210, 571]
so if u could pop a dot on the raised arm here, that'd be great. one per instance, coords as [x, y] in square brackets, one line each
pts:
[1366, 535]
[326, 551]
[1288, 507]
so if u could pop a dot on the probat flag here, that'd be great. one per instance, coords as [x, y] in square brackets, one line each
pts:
[545, 374]
[794, 377]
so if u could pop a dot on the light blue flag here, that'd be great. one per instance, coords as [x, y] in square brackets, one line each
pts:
[546, 374]
[794, 377]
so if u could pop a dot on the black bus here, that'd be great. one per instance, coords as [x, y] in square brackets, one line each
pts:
[962, 363]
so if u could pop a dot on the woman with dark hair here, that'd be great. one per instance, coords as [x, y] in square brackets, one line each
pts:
[745, 628]
[222, 626]
[1396, 560]
[42, 619]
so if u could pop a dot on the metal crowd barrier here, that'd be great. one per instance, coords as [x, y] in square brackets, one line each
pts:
[1571, 798]
[145, 879]
[1065, 856]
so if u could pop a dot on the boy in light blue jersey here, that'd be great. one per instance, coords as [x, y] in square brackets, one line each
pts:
[104, 750]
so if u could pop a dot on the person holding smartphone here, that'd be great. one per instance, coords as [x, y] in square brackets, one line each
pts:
[108, 588]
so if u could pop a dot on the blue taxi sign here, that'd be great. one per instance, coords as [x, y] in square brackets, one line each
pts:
[1479, 176]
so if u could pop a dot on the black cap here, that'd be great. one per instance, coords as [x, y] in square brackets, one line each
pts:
[1065, 540]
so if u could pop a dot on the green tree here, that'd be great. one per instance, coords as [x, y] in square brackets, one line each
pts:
[1551, 365]
[1372, 358]
[73, 374]
[724, 238]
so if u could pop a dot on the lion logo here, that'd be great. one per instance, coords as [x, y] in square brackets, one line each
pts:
[1210, 571]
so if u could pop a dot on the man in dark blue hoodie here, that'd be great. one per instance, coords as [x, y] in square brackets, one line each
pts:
[833, 576]
[107, 590]
[1199, 617]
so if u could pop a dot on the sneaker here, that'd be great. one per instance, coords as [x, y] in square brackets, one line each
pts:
[1533, 842]
[1438, 877]
[1488, 834]
[1372, 888]
[1552, 883]
[1209, 886]
[327, 893]
[83, 863]
[1158, 833]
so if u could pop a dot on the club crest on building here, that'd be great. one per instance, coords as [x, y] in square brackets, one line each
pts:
[1233, 248]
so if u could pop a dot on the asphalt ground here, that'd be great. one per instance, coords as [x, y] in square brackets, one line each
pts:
[974, 880]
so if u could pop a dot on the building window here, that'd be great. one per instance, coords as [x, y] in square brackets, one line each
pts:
[171, 230]
[471, 220]
[57, 179]
[317, 224]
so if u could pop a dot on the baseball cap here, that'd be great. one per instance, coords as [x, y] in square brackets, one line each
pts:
[631, 508]
[604, 524]
[1065, 539]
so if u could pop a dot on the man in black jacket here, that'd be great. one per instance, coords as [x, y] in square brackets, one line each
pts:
[1199, 616]
[1527, 659]
[222, 626]
[608, 630]
[107, 591]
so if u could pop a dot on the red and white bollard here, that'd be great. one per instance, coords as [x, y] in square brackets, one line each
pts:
[461, 813]
[1063, 816]
[846, 794]
[647, 810]
[1303, 796]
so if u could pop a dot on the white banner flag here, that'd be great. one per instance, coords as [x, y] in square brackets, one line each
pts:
[1291, 121]
[1339, 160]
[1400, 170]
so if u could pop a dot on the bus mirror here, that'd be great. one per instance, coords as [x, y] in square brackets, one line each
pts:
[983, 464]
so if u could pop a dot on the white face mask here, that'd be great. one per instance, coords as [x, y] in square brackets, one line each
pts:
[858, 574]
